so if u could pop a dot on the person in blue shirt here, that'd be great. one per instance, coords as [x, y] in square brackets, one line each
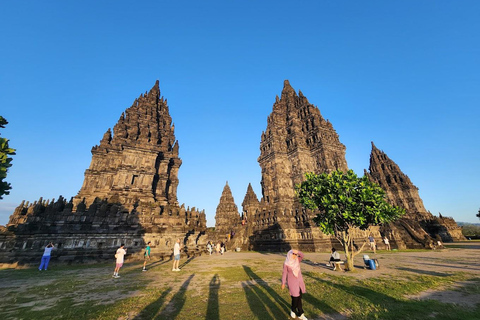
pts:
[146, 256]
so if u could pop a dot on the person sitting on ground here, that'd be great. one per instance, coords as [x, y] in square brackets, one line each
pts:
[335, 256]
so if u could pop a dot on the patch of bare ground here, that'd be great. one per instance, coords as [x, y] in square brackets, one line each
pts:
[452, 294]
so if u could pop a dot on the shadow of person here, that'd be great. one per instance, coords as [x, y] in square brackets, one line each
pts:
[173, 308]
[212, 308]
[156, 263]
[263, 301]
[152, 309]
[187, 262]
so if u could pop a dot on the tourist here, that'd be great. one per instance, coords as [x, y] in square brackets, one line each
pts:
[46, 257]
[335, 256]
[387, 243]
[176, 256]
[373, 246]
[121, 252]
[209, 248]
[292, 275]
[218, 248]
[146, 256]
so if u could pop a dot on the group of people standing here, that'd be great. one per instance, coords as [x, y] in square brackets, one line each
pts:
[122, 251]
[219, 247]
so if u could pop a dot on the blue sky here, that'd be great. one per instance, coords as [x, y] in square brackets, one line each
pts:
[404, 74]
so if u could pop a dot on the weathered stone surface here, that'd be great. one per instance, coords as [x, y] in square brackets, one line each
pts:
[298, 140]
[227, 216]
[418, 227]
[129, 195]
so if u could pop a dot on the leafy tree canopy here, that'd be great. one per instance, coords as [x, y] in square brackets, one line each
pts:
[345, 201]
[5, 152]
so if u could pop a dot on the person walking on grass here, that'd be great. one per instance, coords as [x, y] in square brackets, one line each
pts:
[46, 257]
[146, 256]
[292, 275]
[121, 252]
[373, 245]
[176, 256]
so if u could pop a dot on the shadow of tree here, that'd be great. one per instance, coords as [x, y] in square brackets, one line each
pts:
[152, 309]
[173, 308]
[212, 308]
[388, 307]
[427, 272]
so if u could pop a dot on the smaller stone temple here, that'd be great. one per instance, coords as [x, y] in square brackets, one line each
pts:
[227, 216]
[418, 228]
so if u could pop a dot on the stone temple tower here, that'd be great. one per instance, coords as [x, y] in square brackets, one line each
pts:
[139, 163]
[297, 140]
[227, 216]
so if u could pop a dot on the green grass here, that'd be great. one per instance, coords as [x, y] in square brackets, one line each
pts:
[250, 289]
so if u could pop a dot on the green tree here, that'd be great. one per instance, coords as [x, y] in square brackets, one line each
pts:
[5, 160]
[345, 202]
[478, 214]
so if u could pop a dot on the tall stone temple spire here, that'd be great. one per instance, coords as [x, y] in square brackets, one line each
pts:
[250, 203]
[139, 163]
[297, 140]
[227, 216]
[397, 185]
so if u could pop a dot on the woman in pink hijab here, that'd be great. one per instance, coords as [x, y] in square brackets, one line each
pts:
[292, 275]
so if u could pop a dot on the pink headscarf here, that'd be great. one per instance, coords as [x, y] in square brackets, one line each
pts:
[292, 262]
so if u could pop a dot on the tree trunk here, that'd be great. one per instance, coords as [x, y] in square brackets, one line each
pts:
[346, 242]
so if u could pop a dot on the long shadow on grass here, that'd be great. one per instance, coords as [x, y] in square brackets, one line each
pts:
[187, 262]
[157, 263]
[263, 301]
[460, 265]
[173, 308]
[387, 307]
[212, 308]
[427, 272]
[152, 309]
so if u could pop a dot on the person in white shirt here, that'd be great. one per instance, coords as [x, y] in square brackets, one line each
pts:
[121, 252]
[387, 243]
[176, 255]
[46, 257]
[335, 256]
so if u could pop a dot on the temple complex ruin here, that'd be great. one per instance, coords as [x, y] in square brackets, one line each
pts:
[299, 140]
[129, 194]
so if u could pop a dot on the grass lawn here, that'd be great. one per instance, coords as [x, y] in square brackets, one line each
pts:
[235, 286]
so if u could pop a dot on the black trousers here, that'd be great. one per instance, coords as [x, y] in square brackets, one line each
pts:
[297, 304]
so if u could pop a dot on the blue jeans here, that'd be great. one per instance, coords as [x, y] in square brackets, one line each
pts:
[44, 263]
